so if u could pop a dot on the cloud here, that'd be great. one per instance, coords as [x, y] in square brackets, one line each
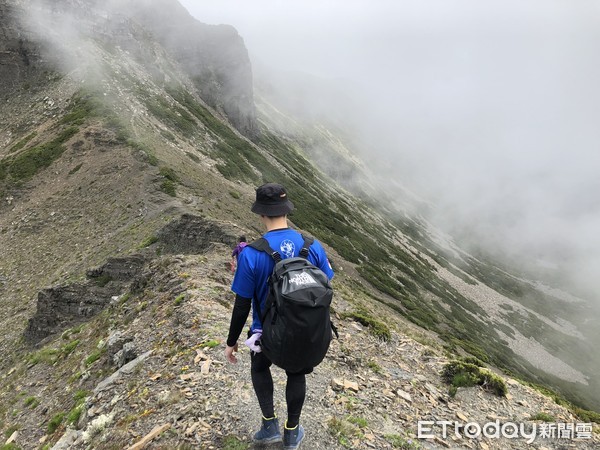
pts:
[488, 108]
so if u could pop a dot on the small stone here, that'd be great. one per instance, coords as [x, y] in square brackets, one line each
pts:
[405, 395]
[337, 384]
[494, 417]
[350, 386]
[484, 446]
[200, 356]
[461, 416]
[150, 436]
[12, 438]
[441, 441]
[205, 367]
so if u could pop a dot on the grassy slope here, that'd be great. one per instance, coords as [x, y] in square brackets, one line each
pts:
[147, 168]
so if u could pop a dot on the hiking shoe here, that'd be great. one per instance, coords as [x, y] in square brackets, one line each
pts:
[292, 437]
[269, 431]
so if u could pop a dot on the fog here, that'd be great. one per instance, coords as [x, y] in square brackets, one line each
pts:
[488, 109]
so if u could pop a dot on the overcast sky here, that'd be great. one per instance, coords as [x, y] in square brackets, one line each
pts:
[490, 108]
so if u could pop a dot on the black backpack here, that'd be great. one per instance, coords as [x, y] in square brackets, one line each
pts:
[296, 327]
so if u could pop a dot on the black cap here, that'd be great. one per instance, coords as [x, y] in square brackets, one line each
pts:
[272, 201]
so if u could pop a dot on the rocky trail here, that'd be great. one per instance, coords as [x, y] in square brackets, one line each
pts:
[174, 388]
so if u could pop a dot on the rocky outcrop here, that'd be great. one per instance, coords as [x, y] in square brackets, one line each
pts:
[193, 234]
[60, 307]
[21, 63]
[119, 269]
[214, 56]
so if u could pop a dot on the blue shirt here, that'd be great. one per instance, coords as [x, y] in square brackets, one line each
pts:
[255, 266]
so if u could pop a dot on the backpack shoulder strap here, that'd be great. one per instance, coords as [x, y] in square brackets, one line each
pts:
[262, 245]
[308, 241]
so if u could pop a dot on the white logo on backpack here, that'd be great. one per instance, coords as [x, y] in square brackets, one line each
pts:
[302, 279]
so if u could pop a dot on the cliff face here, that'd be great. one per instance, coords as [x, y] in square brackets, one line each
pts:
[20, 57]
[213, 57]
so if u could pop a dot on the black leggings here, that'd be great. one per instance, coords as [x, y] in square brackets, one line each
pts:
[262, 381]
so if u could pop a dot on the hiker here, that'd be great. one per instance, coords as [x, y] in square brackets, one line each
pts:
[237, 250]
[250, 284]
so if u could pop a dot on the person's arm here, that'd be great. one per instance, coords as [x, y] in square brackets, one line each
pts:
[241, 309]
[320, 257]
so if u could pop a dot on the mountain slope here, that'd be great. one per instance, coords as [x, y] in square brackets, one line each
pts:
[124, 154]
[369, 392]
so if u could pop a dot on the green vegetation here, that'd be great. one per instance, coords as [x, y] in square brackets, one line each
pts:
[344, 431]
[234, 443]
[51, 355]
[10, 430]
[210, 344]
[10, 446]
[240, 159]
[74, 414]
[544, 417]
[86, 104]
[95, 356]
[235, 194]
[68, 348]
[584, 415]
[463, 374]
[146, 153]
[55, 422]
[179, 299]
[401, 442]
[172, 115]
[148, 241]
[168, 187]
[169, 174]
[25, 165]
[472, 360]
[76, 169]
[360, 422]
[31, 402]
[376, 327]
[80, 396]
[193, 157]
[375, 367]
[19, 145]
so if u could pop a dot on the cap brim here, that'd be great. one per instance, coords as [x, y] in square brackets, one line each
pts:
[280, 209]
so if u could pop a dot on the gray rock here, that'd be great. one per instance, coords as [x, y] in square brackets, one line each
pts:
[67, 440]
[127, 368]
[126, 354]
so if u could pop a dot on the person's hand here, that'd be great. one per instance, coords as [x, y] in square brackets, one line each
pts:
[229, 353]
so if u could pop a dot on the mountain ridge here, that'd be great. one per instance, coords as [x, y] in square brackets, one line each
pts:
[94, 170]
